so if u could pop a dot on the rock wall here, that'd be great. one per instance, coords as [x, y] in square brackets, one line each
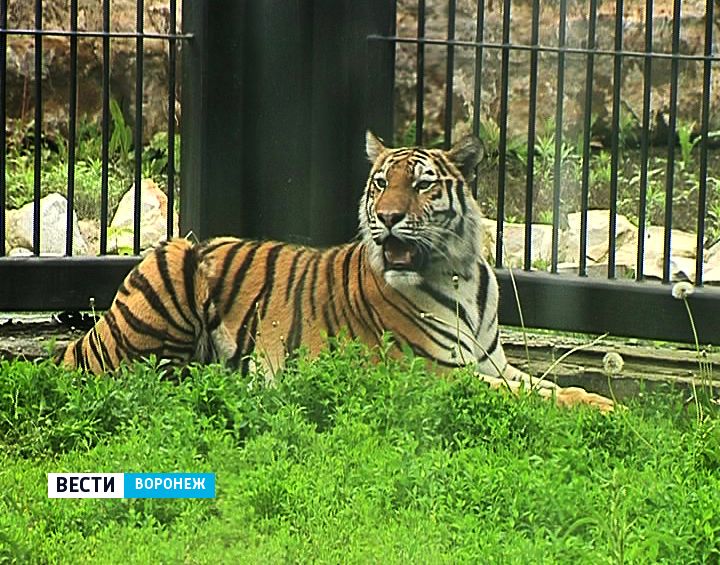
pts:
[690, 78]
[55, 72]
[56, 62]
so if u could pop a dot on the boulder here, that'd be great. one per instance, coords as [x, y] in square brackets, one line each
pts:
[598, 239]
[682, 253]
[90, 228]
[489, 227]
[53, 227]
[711, 273]
[153, 219]
[682, 256]
[514, 245]
[20, 252]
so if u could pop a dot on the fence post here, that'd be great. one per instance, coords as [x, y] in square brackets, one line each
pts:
[212, 118]
[277, 95]
[352, 91]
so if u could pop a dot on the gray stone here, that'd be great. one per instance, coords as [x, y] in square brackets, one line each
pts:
[682, 253]
[540, 246]
[19, 252]
[711, 270]
[53, 227]
[153, 219]
[598, 237]
[90, 228]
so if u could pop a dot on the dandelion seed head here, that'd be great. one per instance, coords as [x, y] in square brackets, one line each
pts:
[681, 290]
[613, 363]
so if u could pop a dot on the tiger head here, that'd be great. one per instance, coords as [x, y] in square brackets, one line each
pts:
[418, 218]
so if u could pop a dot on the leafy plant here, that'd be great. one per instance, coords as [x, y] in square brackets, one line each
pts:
[121, 138]
[155, 159]
[687, 141]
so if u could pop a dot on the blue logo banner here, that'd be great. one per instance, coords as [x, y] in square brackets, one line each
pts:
[169, 485]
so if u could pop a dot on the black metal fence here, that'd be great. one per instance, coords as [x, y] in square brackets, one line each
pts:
[277, 95]
[510, 53]
[51, 282]
[589, 49]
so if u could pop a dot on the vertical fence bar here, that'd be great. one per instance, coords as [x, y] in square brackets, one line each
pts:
[672, 129]
[587, 130]
[644, 141]
[704, 127]
[449, 74]
[615, 139]
[557, 169]
[105, 128]
[172, 60]
[37, 145]
[72, 118]
[502, 142]
[3, 115]
[477, 92]
[530, 174]
[420, 74]
[138, 124]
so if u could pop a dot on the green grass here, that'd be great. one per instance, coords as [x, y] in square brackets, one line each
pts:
[352, 460]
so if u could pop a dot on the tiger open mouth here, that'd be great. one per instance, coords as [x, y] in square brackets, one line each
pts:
[399, 255]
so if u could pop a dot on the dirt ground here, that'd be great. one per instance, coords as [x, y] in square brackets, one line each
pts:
[35, 336]
[646, 366]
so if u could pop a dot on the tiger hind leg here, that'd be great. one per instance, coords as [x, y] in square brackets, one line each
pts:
[155, 312]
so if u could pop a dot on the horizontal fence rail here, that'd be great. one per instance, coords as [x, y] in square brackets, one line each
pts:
[452, 43]
[62, 283]
[100, 34]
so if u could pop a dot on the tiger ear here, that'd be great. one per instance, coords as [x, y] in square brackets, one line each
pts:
[373, 146]
[466, 154]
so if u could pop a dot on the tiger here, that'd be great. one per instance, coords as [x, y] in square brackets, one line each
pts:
[415, 271]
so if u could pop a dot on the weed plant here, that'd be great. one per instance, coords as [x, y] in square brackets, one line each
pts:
[352, 457]
[88, 163]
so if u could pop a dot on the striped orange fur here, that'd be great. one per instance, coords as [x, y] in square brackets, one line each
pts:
[415, 271]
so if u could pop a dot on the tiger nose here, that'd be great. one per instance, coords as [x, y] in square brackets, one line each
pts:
[391, 218]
